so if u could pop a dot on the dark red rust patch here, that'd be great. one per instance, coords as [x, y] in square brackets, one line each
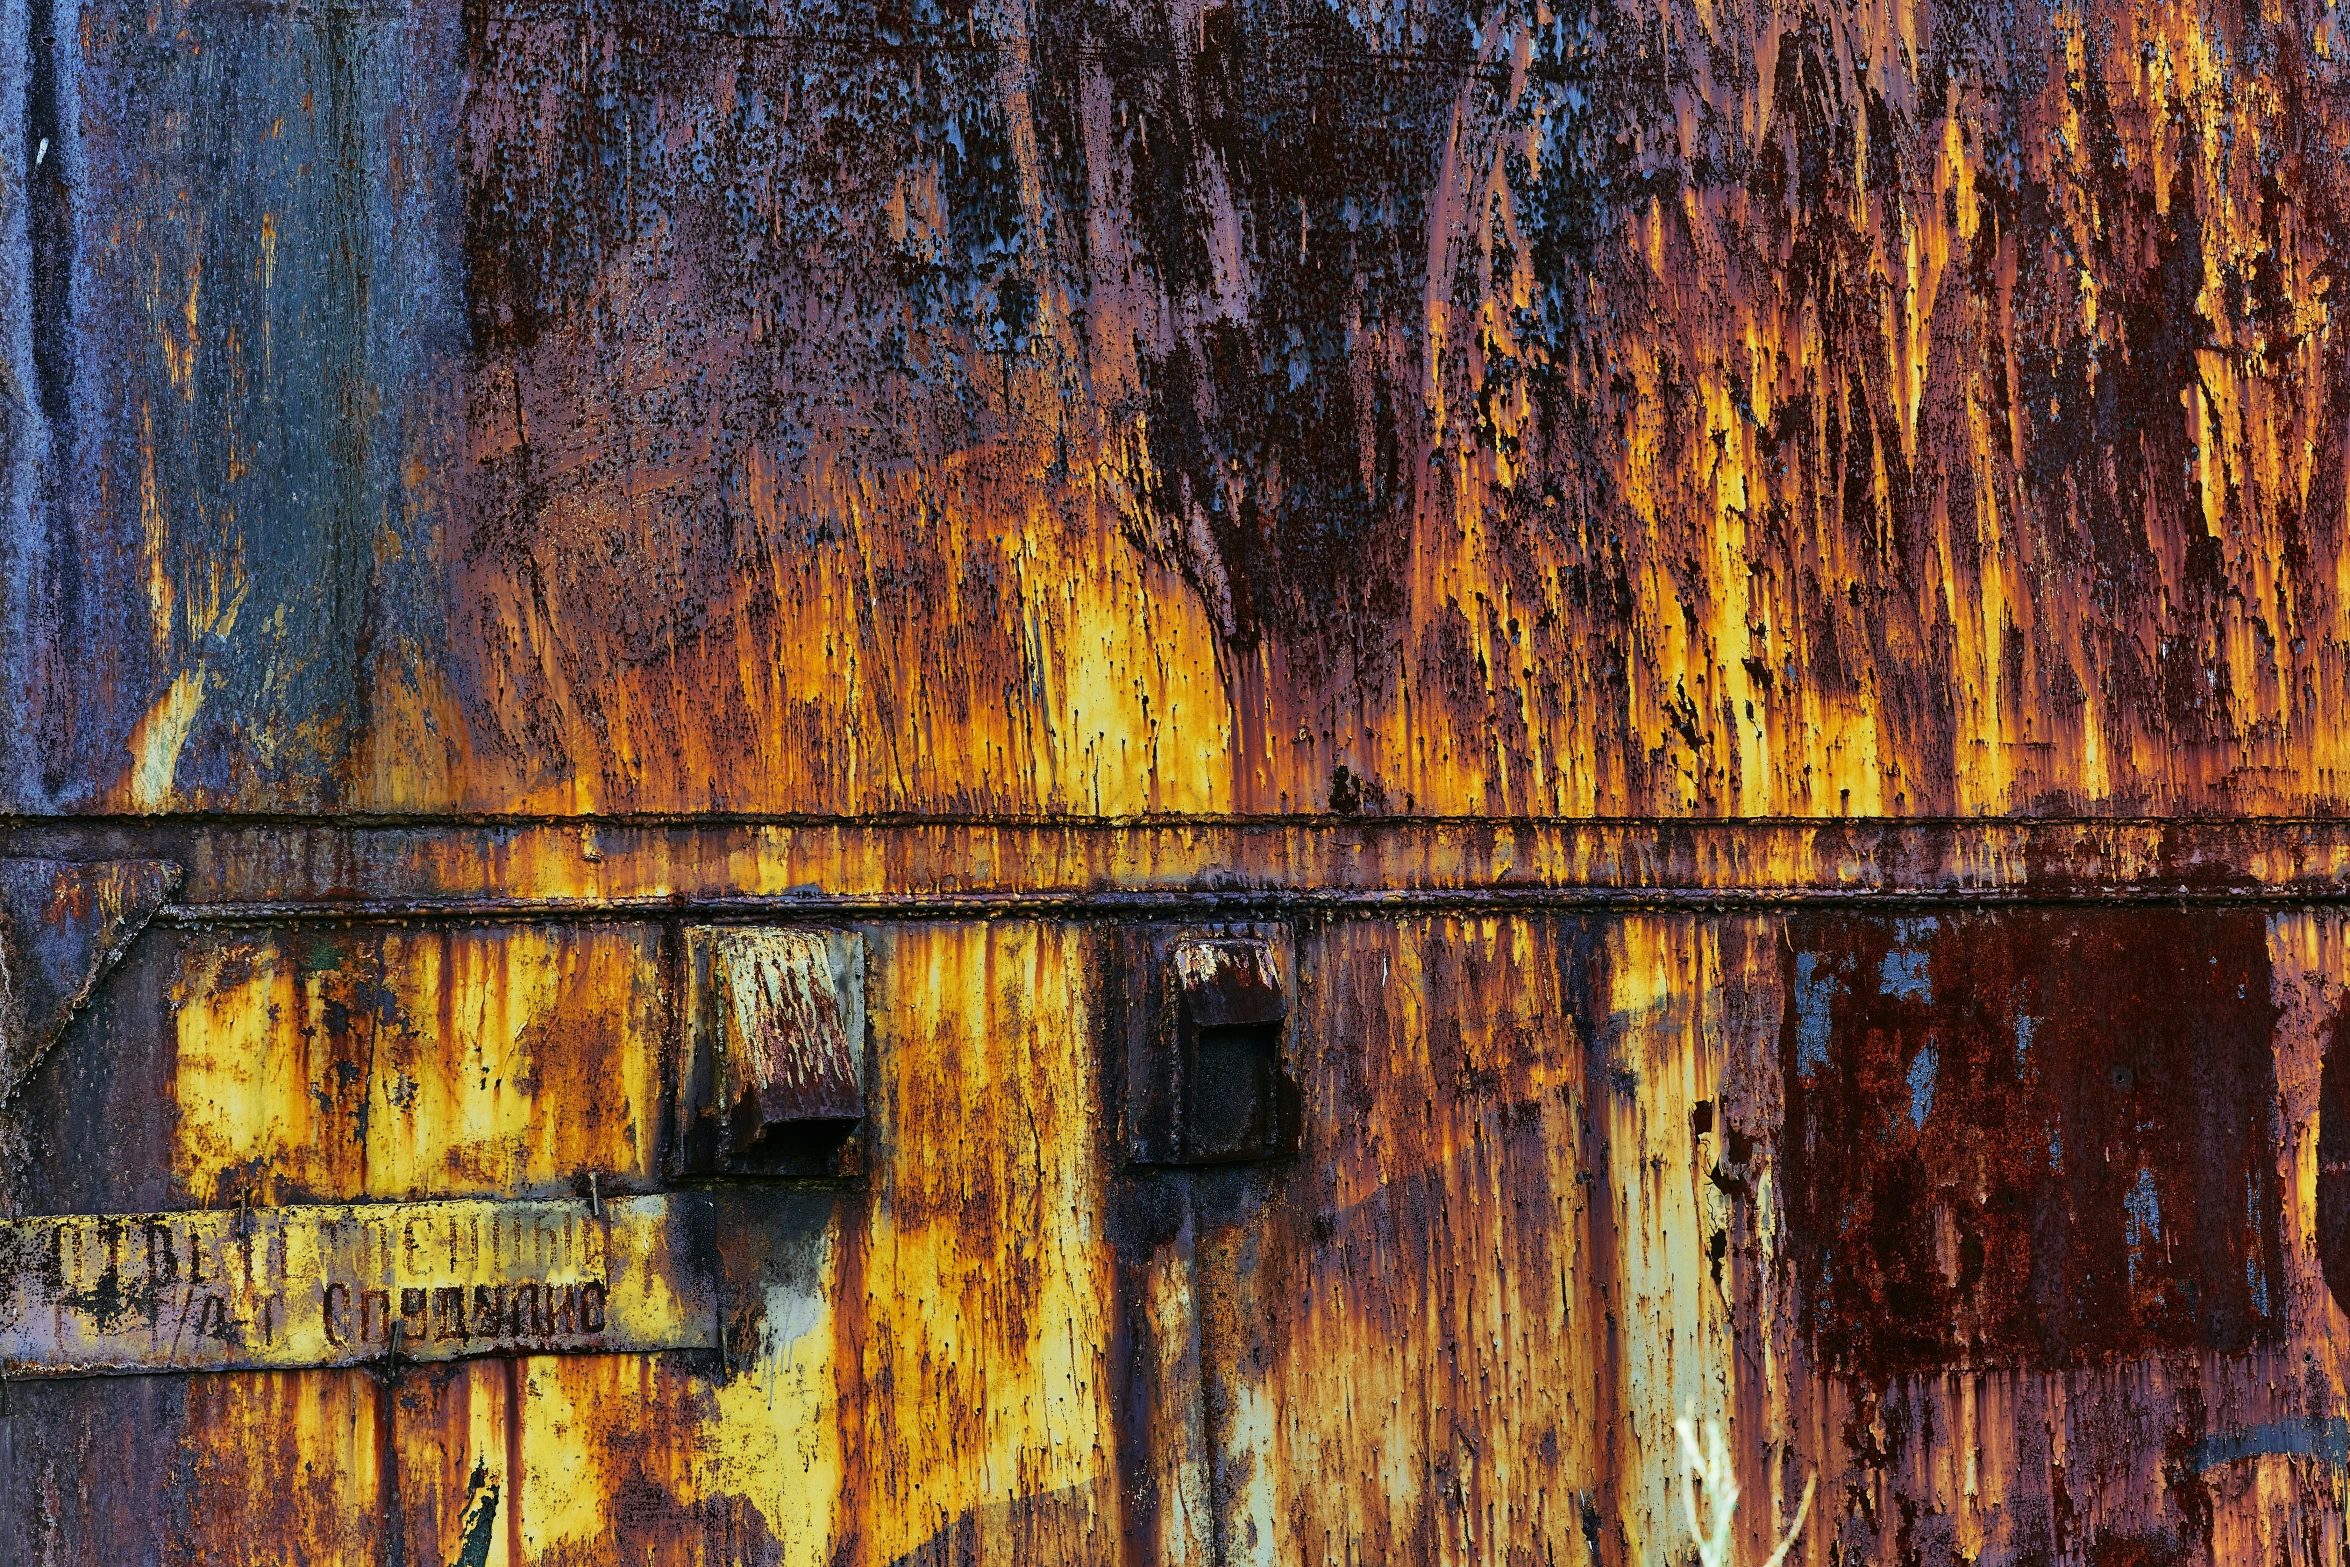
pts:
[2036, 1138]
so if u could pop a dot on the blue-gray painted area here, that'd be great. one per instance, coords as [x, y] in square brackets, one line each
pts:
[23, 442]
[2327, 1439]
[1814, 992]
[228, 396]
[1904, 974]
[1921, 1085]
[46, 550]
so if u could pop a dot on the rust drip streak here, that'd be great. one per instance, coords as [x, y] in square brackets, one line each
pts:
[517, 1379]
[385, 1430]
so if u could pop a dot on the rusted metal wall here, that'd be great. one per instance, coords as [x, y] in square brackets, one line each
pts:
[495, 494]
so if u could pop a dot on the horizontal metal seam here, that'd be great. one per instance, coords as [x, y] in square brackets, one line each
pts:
[886, 820]
[1338, 902]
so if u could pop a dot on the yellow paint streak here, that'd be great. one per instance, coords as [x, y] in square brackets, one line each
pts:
[397, 1065]
[181, 343]
[1417, 1310]
[158, 737]
[1100, 689]
[983, 1376]
[566, 1491]
[268, 291]
[287, 1464]
[154, 535]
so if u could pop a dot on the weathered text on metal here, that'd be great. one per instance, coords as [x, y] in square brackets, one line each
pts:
[284, 1288]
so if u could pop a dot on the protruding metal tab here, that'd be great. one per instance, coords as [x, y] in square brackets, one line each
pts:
[1228, 983]
[784, 1050]
[774, 1075]
[1205, 1086]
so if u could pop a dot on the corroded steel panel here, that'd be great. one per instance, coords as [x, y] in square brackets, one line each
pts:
[2039, 1139]
[277, 1288]
[62, 926]
[1558, 1173]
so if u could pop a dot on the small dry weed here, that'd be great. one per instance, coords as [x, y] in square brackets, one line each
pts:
[1708, 1468]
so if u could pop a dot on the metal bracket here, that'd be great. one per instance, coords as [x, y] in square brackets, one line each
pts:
[1204, 1078]
[772, 1076]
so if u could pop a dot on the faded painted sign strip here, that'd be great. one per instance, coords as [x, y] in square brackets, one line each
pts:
[282, 1288]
